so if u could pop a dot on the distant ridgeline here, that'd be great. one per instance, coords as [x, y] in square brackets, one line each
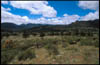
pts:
[78, 26]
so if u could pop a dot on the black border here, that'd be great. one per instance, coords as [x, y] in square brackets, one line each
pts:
[48, 64]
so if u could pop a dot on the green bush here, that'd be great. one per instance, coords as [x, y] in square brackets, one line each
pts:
[89, 42]
[8, 55]
[96, 43]
[85, 42]
[25, 35]
[51, 48]
[25, 44]
[64, 44]
[72, 42]
[26, 54]
[42, 34]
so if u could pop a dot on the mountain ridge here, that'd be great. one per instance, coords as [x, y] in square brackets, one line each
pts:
[35, 27]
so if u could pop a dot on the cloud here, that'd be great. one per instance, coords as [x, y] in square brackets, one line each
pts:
[60, 20]
[9, 17]
[42, 7]
[4, 2]
[36, 7]
[90, 16]
[5, 9]
[17, 19]
[93, 5]
[67, 19]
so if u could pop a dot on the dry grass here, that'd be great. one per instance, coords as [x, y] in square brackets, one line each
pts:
[68, 54]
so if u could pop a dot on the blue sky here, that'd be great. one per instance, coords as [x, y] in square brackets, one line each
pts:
[69, 7]
[59, 12]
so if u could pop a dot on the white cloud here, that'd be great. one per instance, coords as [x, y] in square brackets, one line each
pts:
[17, 19]
[93, 5]
[65, 15]
[54, 21]
[90, 16]
[41, 7]
[36, 7]
[9, 17]
[60, 20]
[5, 9]
[4, 2]
[67, 19]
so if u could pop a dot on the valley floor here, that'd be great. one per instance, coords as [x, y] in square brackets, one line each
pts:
[55, 50]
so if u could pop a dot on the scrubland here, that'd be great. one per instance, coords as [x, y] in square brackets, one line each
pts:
[56, 49]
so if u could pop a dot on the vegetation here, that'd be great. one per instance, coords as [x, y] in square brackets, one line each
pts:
[51, 45]
[26, 54]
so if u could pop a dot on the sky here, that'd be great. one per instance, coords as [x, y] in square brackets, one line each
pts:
[48, 12]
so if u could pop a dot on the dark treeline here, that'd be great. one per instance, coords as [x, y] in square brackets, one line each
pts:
[79, 28]
[68, 32]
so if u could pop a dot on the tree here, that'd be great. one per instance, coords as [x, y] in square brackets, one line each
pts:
[62, 33]
[25, 35]
[82, 34]
[42, 35]
[90, 34]
[34, 34]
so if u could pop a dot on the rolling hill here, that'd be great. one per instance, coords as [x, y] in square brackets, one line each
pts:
[47, 27]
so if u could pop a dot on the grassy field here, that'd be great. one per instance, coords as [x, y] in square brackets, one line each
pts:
[50, 50]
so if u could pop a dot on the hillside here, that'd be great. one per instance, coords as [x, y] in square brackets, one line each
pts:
[76, 43]
[76, 25]
[45, 27]
[94, 24]
[14, 27]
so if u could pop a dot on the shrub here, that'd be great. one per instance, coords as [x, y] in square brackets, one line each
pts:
[96, 43]
[85, 42]
[90, 34]
[51, 48]
[7, 34]
[26, 44]
[8, 55]
[94, 38]
[62, 33]
[78, 40]
[14, 34]
[8, 44]
[64, 44]
[25, 35]
[42, 35]
[89, 42]
[83, 34]
[27, 54]
[34, 34]
[72, 42]
[68, 33]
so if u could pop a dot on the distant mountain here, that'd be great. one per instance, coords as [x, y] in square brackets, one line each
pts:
[14, 27]
[76, 25]
[9, 25]
[94, 24]
[46, 27]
